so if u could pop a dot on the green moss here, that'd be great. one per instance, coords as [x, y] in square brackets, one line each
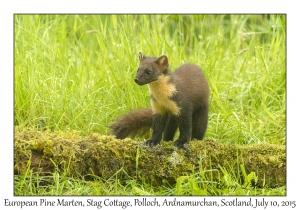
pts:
[106, 156]
[43, 146]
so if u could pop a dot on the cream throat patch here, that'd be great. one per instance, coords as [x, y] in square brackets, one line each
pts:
[161, 92]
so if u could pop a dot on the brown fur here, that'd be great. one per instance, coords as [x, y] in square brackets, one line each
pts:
[128, 125]
[179, 99]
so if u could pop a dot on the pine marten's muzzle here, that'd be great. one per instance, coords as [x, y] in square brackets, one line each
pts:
[140, 81]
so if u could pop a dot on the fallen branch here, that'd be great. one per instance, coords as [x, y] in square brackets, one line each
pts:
[104, 156]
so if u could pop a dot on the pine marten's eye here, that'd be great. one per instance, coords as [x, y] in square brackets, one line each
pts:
[147, 72]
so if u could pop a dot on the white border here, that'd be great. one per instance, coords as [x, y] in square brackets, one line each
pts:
[8, 8]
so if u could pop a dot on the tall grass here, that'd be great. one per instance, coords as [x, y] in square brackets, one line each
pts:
[194, 184]
[75, 72]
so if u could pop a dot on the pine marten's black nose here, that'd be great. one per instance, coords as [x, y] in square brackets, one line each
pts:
[137, 81]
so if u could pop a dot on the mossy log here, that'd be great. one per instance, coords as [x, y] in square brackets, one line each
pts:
[104, 156]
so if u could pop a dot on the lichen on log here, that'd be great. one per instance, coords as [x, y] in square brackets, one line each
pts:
[103, 156]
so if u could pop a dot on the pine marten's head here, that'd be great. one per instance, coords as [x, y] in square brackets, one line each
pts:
[151, 69]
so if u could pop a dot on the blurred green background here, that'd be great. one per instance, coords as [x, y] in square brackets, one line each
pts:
[75, 72]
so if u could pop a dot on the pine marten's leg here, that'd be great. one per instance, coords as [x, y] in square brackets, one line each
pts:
[171, 127]
[200, 119]
[185, 125]
[159, 122]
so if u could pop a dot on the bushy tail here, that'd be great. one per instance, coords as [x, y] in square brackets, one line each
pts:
[133, 123]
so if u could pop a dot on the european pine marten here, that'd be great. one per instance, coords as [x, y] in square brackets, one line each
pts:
[178, 99]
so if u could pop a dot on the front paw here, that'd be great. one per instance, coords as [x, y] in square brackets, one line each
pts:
[151, 142]
[179, 144]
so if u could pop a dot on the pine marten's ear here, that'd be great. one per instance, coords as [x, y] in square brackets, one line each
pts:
[141, 56]
[163, 61]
